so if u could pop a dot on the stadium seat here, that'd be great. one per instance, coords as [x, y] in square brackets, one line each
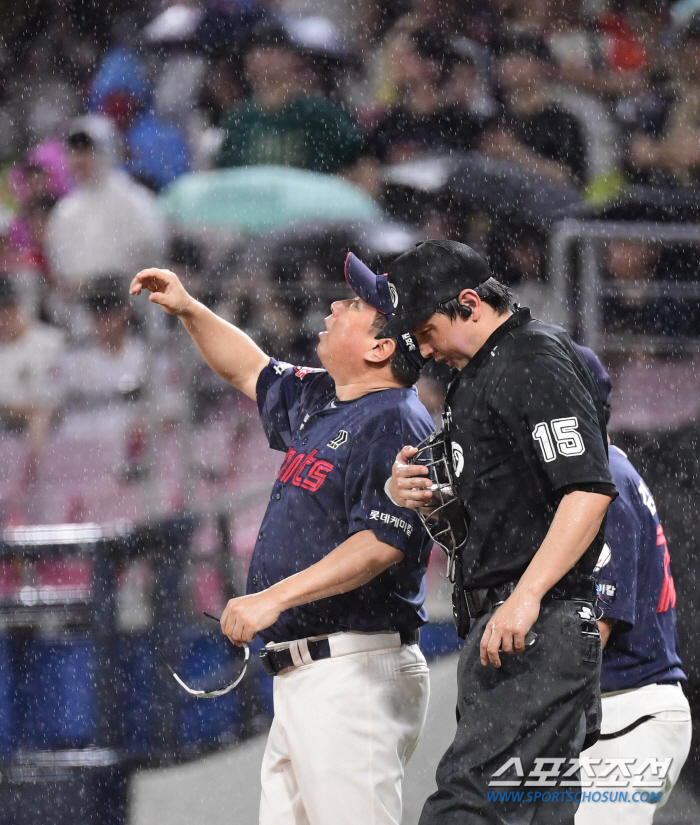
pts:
[55, 692]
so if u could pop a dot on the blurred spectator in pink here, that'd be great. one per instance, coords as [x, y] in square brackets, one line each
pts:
[37, 183]
[108, 222]
[45, 170]
[32, 257]
[664, 146]
[156, 149]
[30, 354]
[281, 123]
[533, 131]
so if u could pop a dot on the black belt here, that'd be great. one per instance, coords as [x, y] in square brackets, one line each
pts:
[274, 660]
[580, 588]
[629, 728]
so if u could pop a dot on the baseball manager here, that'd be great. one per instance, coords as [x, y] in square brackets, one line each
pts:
[526, 431]
[337, 578]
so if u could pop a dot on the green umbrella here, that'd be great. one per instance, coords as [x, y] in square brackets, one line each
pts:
[260, 198]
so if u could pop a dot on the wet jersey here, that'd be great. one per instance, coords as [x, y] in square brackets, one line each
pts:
[330, 486]
[526, 426]
[636, 588]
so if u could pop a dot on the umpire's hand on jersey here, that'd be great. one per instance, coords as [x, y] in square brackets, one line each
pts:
[247, 615]
[410, 484]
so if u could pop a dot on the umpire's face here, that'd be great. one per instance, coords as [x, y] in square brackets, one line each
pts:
[457, 340]
[442, 338]
[347, 347]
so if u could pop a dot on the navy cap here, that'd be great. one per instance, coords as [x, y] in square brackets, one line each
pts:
[430, 274]
[373, 289]
[597, 370]
[379, 293]
[600, 376]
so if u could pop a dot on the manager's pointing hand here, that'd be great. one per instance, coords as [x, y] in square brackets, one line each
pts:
[165, 288]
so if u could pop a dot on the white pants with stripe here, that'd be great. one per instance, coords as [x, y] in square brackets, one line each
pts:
[665, 736]
[342, 733]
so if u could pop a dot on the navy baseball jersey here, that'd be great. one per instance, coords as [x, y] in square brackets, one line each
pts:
[330, 486]
[636, 588]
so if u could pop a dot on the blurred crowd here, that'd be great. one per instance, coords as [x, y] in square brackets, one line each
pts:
[531, 111]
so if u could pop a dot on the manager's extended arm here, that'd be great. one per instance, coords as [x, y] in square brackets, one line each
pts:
[228, 351]
[353, 563]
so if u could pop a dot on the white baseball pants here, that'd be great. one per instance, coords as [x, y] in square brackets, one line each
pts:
[667, 735]
[342, 733]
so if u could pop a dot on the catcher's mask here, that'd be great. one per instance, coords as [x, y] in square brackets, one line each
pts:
[447, 523]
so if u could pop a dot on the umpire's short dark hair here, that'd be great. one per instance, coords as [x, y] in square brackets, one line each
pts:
[492, 292]
[401, 368]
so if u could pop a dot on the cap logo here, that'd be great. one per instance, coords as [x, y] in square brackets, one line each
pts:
[409, 340]
[393, 294]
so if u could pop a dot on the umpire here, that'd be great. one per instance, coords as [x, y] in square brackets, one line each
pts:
[525, 429]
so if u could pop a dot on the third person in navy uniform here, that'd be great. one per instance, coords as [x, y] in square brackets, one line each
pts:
[337, 579]
[646, 717]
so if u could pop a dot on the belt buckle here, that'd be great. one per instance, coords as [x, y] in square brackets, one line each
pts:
[267, 663]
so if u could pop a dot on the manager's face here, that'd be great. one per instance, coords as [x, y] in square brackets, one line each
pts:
[348, 337]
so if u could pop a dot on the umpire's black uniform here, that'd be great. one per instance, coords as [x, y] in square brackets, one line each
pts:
[526, 426]
[524, 416]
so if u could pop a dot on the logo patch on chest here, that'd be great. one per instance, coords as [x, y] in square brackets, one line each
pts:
[339, 440]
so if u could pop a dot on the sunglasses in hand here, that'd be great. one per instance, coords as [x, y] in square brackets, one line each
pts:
[221, 691]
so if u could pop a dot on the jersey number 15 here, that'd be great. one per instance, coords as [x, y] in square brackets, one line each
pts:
[566, 436]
